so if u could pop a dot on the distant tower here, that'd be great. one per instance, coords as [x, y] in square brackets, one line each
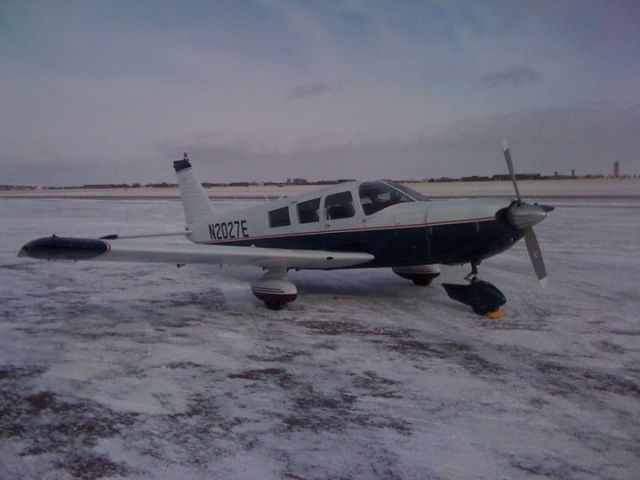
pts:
[573, 173]
[616, 169]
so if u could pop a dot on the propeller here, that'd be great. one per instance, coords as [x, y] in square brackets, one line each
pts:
[512, 174]
[523, 216]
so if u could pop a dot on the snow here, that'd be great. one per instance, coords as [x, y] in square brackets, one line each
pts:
[148, 371]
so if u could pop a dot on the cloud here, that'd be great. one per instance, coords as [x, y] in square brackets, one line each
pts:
[308, 90]
[514, 76]
[587, 138]
[314, 89]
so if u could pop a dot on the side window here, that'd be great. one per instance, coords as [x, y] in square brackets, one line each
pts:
[279, 217]
[309, 211]
[339, 205]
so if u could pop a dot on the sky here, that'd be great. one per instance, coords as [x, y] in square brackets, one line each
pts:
[110, 92]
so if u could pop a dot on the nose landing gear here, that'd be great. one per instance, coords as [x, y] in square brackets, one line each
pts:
[483, 297]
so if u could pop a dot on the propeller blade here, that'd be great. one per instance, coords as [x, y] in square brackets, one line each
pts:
[536, 255]
[507, 157]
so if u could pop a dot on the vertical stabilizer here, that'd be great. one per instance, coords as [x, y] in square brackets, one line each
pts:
[194, 199]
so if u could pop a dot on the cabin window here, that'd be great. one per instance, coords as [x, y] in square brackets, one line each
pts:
[339, 205]
[279, 217]
[375, 196]
[309, 211]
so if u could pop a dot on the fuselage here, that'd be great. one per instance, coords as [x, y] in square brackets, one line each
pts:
[396, 225]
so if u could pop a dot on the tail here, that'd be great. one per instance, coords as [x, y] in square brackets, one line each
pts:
[194, 199]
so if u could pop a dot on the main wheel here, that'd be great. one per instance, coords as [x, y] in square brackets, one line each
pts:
[273, 305]
[421, 275]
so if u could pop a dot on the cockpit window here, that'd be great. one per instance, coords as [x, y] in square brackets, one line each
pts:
[409, 191]
[375, 196]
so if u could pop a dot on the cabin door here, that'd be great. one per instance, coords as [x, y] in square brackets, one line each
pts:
[342, 221]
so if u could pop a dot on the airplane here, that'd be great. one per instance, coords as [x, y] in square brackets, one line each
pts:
[369, 224]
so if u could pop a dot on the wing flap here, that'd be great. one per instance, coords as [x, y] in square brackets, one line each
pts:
[54, 248]
[117, 236]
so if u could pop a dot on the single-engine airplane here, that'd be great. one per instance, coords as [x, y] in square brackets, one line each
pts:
[349, 225]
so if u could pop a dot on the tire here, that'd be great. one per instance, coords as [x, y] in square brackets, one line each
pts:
[481, 310]
[273, 305]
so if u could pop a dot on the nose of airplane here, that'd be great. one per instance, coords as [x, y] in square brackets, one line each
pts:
[524, 215]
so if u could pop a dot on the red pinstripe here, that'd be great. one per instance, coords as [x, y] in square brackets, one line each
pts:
[387, 227]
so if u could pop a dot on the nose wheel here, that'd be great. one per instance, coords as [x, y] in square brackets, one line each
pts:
[483, 297]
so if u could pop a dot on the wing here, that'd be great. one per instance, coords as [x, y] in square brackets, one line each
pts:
[64, 248]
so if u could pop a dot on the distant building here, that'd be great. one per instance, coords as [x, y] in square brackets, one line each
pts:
[557, 176]
[519, 176]
[443, 180]
[475, 178]
[616, 169]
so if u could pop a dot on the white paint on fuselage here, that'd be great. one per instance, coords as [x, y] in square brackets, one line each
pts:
[254, 221]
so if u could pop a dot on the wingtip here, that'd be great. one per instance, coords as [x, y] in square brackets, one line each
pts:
[505, 146]
[543, 282]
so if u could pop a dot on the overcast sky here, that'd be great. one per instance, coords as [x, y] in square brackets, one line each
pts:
[100, 92]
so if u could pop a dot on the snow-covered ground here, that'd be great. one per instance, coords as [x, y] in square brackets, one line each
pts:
[148, 371]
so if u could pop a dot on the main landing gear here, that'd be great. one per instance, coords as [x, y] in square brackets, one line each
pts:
[483, 297]
[274, 289]
[421, 275]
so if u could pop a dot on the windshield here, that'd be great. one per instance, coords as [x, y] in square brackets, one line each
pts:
[409, 191]
[375, 196]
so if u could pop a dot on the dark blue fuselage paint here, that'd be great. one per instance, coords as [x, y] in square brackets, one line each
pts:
[393, 247]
